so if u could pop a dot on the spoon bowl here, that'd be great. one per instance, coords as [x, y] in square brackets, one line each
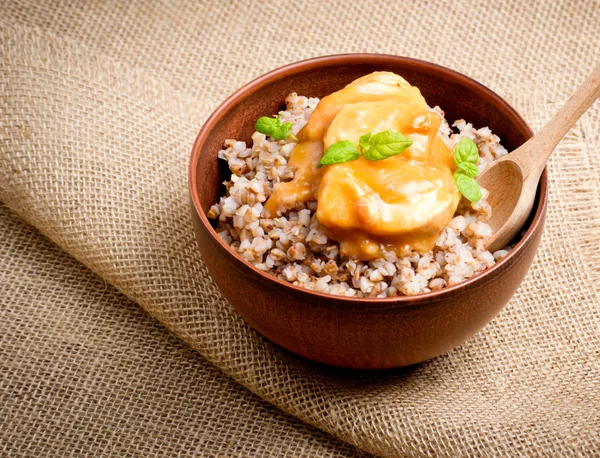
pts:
[510, 174]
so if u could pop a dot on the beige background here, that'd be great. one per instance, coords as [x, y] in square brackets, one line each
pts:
[99, 105]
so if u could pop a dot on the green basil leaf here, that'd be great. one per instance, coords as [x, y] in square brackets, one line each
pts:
[342, 151]
[267, 126]
[385, 144]
[363, 142]
[466, 151]
[467, 186]
[282, 132]
[468, 169]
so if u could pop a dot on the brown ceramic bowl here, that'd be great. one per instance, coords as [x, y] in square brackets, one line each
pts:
[355, 332]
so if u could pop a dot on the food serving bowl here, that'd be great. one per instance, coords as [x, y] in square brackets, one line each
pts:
[354, 332]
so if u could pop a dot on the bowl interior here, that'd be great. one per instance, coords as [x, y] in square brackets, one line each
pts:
[459, 97]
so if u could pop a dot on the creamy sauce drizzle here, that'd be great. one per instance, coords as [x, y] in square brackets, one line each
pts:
[400, 203]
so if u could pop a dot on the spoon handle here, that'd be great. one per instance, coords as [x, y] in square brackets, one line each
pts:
[534, 154]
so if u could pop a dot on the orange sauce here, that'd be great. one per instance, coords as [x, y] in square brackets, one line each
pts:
[400, 203]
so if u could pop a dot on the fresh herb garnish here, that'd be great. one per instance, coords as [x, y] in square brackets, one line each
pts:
[374, 147]
[466, 156]
[465, 151]
[383, 145]
[342, 151]
[274, 129]
[468, 168]
[467, 186]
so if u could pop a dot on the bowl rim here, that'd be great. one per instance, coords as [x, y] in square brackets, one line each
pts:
[349, 58]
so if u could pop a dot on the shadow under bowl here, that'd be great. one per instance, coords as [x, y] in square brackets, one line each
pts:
[357, 332]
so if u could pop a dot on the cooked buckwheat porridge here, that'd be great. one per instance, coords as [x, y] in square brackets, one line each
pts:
[294, 246]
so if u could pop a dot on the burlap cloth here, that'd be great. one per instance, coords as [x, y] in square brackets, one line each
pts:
[99, 105]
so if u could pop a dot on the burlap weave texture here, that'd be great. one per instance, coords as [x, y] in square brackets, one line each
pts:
[84, 372]
[101, 103]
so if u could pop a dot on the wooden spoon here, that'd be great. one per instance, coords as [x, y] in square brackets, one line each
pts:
[512, 181]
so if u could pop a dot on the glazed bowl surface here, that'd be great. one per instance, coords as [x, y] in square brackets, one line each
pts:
[360, 333]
